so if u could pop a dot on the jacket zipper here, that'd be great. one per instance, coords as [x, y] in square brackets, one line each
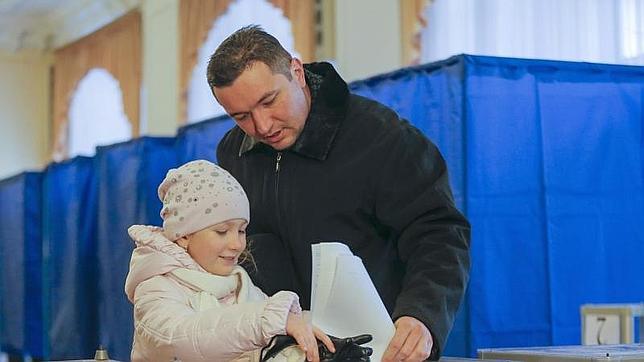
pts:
[281, 233]
[277, 164]
[277, 182]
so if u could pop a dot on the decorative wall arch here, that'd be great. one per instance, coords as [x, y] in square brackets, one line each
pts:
[197, 18]
[200, 103]
[96, 114]
[116, 48]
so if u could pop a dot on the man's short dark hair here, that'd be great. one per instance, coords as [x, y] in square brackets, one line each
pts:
[240, 50]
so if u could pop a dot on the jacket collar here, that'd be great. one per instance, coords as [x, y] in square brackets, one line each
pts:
[329, 94]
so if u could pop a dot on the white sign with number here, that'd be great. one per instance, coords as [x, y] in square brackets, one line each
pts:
[601, 329]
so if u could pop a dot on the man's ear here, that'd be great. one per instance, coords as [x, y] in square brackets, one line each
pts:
[297, 71]
[183, 242]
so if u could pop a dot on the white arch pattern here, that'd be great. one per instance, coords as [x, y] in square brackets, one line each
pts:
[200, 104]
[96, 115]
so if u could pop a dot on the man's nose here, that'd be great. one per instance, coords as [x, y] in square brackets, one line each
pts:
[263, 122]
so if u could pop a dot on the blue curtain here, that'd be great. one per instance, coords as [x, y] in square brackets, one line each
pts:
[555, 195]
[128, 175]
[200, 140]
[70, 260]
[21, 326]
[545, 158]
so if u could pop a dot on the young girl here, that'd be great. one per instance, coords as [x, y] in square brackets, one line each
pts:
[192, 301]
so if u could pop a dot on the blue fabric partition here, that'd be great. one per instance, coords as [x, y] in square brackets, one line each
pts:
[594, 190]
[545, 158]
[128, 175]
[507, 210]
[21, 325]
[200, 140]
[70, 259]
[555, 195]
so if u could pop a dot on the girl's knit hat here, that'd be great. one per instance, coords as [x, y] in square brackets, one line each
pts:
[198, 195]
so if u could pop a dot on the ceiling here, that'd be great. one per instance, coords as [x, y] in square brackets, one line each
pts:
[49, 24]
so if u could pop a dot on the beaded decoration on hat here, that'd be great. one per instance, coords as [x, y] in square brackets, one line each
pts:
[197, 195]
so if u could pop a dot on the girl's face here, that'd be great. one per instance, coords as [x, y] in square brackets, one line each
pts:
[217, 248]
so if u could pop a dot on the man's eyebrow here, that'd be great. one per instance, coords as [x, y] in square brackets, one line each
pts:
[234, 115]
[261, 100]
[267, 95]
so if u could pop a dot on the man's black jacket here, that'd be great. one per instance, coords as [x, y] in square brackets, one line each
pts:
[361, 175]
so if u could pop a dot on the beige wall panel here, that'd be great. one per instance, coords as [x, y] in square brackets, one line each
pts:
[24, 112]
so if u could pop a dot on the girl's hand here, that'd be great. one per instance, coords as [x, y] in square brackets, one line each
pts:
[301, 330]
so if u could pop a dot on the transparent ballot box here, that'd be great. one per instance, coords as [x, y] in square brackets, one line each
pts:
[616, 352]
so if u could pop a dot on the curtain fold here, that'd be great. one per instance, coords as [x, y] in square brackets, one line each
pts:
[21, 288]
[70, 270]
[116, 48]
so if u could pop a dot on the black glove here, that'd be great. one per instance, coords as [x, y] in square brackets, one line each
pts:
[275, 346]
[346, 349]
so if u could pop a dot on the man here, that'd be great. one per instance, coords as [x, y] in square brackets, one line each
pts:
[321, 164]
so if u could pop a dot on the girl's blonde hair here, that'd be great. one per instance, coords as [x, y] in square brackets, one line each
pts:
[246, 258]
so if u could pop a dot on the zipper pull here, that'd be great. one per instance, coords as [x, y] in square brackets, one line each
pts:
[277, 164]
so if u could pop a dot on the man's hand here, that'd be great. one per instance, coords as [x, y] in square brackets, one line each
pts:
[411, 342]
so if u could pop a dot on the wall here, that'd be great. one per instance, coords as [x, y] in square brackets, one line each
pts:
[24, 111]
[367, 37]
[160, 93]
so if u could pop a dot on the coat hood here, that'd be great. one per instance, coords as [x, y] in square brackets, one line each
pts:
[154, 255]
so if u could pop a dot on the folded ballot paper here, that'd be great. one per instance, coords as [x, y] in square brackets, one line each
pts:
[344, 301]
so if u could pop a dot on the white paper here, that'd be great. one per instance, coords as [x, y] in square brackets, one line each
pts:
[324, 258]
[344, 301]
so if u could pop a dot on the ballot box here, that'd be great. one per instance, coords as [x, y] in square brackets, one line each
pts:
[616, 352]
[460, 359]
[612, 323]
